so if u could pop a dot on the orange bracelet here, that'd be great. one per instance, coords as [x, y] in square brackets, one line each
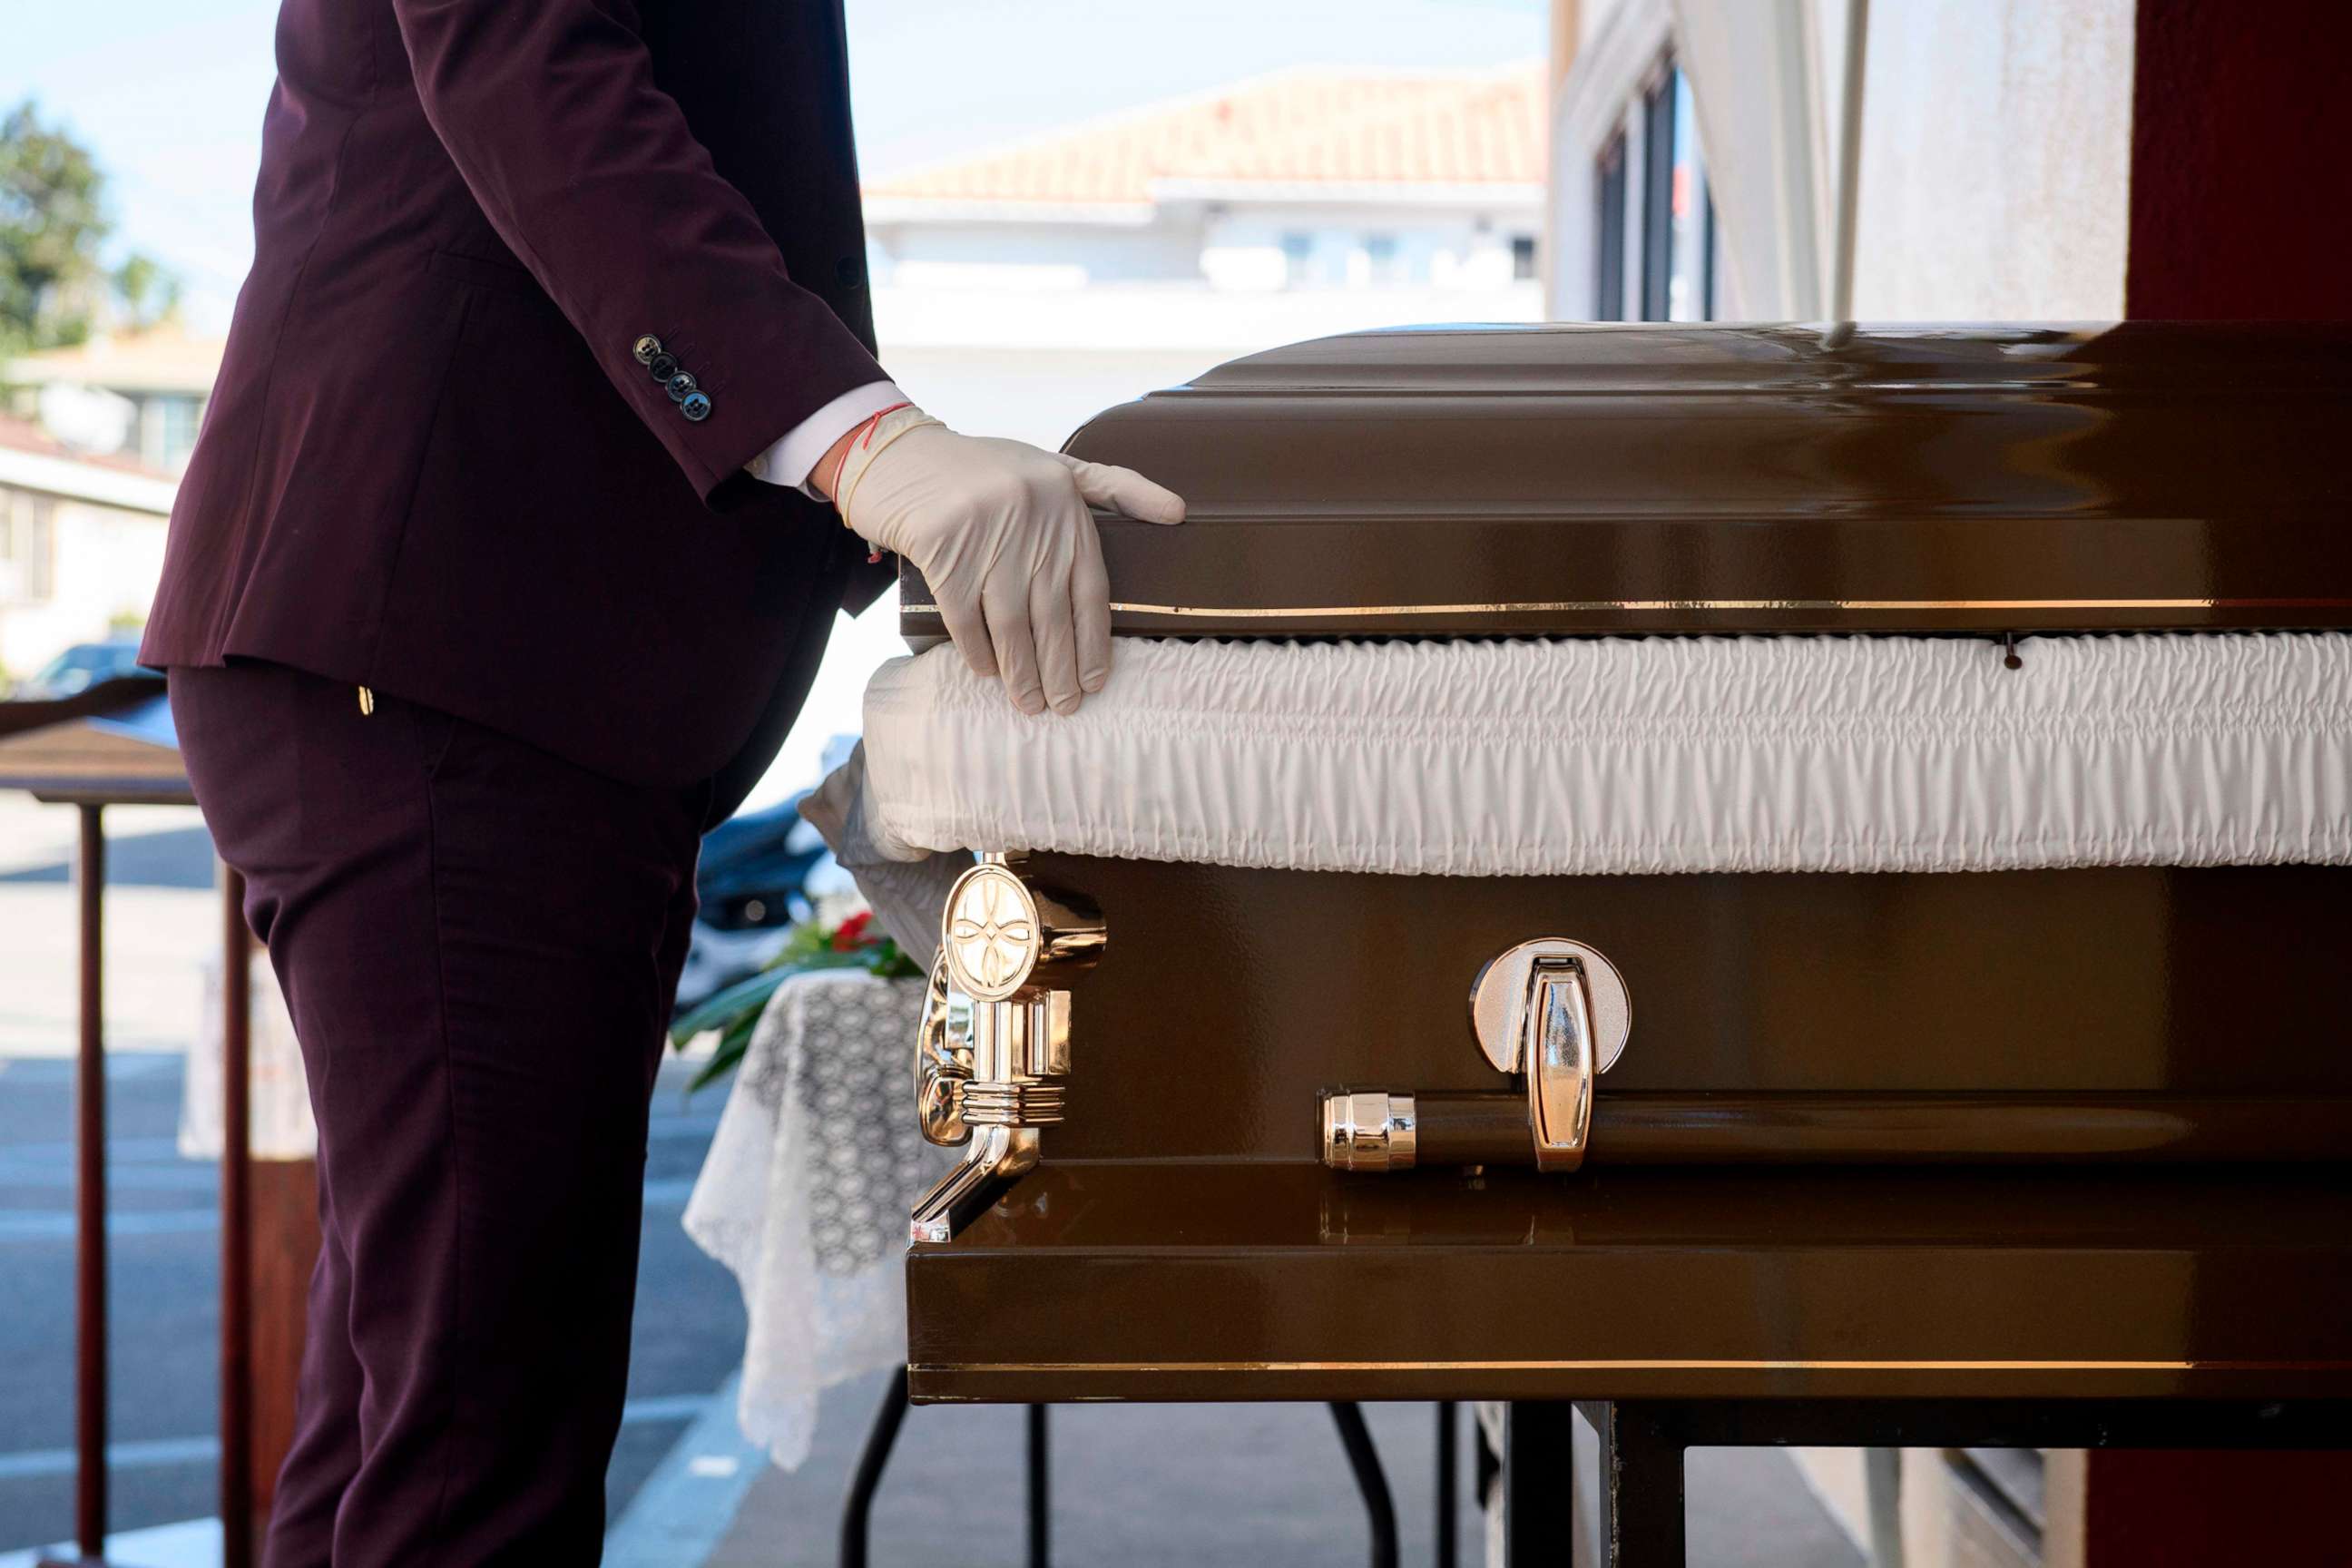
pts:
[862, 435]
[862, 432]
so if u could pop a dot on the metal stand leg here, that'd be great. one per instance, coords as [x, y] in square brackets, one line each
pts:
[1538, 1484]
[1485, 1464]
[1041, 1519]
[1640, 1484]
[1449, 1461]
[1365, 1461]
[1882, 1476]
[858, 1510]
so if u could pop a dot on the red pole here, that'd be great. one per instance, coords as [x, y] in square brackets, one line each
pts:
[237, 1231]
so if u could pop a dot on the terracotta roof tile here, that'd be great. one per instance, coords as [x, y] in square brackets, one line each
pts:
[167, 357]
[24, 435]
[1315, 126]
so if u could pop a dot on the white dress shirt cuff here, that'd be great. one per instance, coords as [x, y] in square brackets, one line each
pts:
[792, 460]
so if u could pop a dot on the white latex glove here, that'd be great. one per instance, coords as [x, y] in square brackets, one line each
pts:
[1001, 531]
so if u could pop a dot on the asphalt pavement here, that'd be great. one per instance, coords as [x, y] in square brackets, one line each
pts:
[164, 1236]
[164, 1257]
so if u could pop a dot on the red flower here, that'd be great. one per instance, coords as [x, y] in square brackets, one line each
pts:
[851, 933]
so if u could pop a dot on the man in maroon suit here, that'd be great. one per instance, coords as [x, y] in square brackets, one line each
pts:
[499, 572]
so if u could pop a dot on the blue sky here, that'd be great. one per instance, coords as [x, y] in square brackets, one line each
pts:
[169, 93]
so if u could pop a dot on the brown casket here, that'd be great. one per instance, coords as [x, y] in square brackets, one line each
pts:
[1306, 1127]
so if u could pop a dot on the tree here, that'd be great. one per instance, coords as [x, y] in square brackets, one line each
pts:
[148, 290]
[53, 223]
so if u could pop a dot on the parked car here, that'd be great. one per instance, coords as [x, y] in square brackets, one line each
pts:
[82, 667]
[761, 874]
[755, 867]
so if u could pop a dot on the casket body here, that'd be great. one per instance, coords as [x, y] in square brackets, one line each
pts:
[2008, 1124]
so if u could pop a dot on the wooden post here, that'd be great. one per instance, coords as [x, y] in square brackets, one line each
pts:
[2186, 1508]
[236, 1493]
[2227, 224]
[285, 1251]
[89, 1201]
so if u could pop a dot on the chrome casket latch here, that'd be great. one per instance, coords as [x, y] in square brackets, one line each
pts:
[1552, 1010]
[995, 1043]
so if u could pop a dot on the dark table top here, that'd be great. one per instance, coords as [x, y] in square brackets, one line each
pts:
[111, 745]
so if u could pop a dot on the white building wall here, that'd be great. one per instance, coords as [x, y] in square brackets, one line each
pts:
[1037, 364]
[1996, 165]
[106, 565]
[1996, 152]
[1591, 16]
[1041, 254]
[1437, 242]
[1439, 247]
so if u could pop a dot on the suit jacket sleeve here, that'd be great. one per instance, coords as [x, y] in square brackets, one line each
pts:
[587, 170]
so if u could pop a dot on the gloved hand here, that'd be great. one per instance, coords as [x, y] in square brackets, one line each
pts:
[1001, 531]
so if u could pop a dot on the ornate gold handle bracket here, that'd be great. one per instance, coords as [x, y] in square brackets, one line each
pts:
[995, 1043]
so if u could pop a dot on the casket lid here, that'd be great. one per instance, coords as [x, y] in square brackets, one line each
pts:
[1575, 479]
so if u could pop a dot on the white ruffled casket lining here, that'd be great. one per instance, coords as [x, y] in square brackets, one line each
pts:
[1659, 755]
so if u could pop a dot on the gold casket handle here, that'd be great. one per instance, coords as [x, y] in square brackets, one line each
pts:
[1555, 1052]
[1552, 1009]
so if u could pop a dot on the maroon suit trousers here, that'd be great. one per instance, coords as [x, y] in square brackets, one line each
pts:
[479, 943]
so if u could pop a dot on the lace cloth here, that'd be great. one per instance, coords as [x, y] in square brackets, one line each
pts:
[805, 1192]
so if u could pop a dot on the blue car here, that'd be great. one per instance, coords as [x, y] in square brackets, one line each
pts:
[82, 667]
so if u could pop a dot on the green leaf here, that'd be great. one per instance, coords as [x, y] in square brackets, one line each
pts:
[735, 1012]
[721, 1010]
[732, 1045]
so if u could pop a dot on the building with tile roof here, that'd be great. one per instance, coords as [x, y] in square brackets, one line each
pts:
[139, 394]
[1023, 288]
[1315, 134]
[82, 543]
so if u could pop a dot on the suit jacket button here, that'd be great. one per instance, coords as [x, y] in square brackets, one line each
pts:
[664, 366]
[648, 346]
[850, 272]
[695, 406]
[679, 385]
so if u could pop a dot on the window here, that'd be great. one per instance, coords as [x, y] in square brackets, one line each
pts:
[1523, 257]
[1658, 197]
[181, 418]
[1609, 232]
[27, 545]
[1297, 258]
[1381, 258]
[1690, 217]
[1666, 212]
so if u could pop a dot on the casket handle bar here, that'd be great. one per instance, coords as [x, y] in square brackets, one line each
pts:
[1556, 1054]
[1552, 1010]
[994, 1042]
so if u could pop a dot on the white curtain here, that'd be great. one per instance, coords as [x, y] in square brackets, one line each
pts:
[1757, 75]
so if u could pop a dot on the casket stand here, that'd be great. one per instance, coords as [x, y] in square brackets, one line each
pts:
[1926, 751]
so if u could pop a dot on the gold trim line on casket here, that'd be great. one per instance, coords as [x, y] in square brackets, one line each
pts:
[1662, 606]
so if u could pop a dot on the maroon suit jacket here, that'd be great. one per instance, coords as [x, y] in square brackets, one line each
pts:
[437, 462]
